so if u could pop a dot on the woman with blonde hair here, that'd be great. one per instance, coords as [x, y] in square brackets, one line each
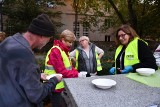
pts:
[57, 61]
[131, 53]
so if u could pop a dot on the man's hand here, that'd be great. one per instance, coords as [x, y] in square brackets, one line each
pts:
[43, 76]
[59, 77]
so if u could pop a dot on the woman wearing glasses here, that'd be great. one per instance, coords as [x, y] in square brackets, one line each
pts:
[131, 53]
[87, 56]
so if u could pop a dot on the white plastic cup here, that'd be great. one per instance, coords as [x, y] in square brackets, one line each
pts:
[82, 74]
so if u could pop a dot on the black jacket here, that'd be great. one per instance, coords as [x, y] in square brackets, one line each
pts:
[145, 56]
[85, 63]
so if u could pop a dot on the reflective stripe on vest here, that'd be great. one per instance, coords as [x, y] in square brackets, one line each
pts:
[131, 53]
[77, 53]
[99, 67]
[49, 69]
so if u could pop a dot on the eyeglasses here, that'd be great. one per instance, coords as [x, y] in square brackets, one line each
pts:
[122, 36]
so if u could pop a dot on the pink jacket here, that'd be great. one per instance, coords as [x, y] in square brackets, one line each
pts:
[55, 59]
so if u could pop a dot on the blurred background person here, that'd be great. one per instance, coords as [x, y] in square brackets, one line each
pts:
[2, 36]
[132, 52]
[87, 56]
[157, 56]
[58, 61]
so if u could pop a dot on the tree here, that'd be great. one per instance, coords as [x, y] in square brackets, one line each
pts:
[149, 19]
[21, 12]
[142, 15]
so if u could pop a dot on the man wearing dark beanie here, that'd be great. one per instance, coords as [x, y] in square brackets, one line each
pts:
[42, 25]
[20, 74]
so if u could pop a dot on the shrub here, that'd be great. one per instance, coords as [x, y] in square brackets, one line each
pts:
[107, 61]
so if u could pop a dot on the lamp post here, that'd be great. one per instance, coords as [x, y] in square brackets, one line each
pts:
[1, 3]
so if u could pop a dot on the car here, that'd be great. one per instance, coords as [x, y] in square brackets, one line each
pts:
[51, 4]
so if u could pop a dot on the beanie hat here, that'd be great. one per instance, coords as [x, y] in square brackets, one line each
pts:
[42, 25]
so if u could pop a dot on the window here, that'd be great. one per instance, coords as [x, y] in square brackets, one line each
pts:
[108, 23]
[107, 38]
[107, 8]
[78, 28]
[85, 31]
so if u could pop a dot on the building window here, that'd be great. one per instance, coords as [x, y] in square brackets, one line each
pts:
[108, 8]
[108, 23]
[78, 28]
[85, 31]
[107, 38]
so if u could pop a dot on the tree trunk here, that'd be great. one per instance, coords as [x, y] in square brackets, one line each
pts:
[143, 12]
[132, 15]
[118, 13]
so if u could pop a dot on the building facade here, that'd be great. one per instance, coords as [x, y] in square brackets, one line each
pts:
[68, 19]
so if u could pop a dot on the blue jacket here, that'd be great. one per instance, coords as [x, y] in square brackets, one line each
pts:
[20, 84]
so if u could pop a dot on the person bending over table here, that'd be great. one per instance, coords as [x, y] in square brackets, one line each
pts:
[20, 74]
[57, 61]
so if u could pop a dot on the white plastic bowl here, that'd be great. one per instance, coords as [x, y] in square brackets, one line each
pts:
[104, 83]
[145, 71]
[52, 75]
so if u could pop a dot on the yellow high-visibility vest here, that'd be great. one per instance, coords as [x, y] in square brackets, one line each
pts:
[131, 53]
[99, 67]
[49, 69]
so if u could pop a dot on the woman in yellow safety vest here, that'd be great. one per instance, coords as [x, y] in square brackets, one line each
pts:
[87, 56]
[131, 53]
[57, 61]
